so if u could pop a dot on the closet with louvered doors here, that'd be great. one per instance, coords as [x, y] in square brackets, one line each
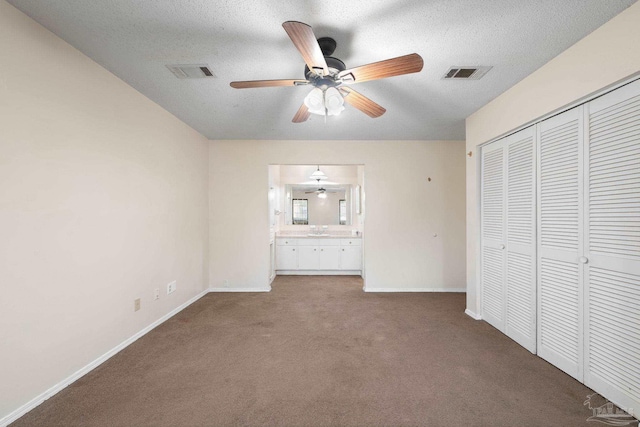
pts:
[587, 234]
[612, 246]
[508, 237]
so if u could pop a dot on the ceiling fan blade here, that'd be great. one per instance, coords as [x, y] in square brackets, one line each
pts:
[406, 64]
[302, 115]
[303, 38]
[361, 102]
[267, 83]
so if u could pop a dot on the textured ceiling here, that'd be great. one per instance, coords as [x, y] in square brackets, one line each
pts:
[244, 40]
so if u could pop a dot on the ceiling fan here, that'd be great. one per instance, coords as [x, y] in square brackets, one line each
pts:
[329, 75]
[322, 190]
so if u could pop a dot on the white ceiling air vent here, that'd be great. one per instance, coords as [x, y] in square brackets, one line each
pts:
[191, 71]
[466, 72]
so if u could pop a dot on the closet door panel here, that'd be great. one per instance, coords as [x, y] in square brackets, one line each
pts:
[508, 236]
[560, 232]
[520, 224]
[492, 229]
[612, 252]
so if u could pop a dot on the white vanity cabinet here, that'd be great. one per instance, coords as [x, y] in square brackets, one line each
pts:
[308, 257]
[286, 254]
[318, 256]
[351, 254]
[329, 258]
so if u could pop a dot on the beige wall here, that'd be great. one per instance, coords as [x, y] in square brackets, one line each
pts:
[606, 56]
[403, 209]
[103, 197]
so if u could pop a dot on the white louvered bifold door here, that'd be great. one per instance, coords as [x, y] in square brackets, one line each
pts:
[560, 205]
[612, 247]
[508, 237]
[492, 259]
[520, 238]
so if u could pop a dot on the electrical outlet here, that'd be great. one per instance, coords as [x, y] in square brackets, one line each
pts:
[171, 287]
[156, 294]
[136, 304]
[226, 284]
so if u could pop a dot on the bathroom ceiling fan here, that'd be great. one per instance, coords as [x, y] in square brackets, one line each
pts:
[322, 190]
[329, 76]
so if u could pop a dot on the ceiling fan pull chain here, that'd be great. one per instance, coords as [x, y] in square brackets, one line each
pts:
[324, 102]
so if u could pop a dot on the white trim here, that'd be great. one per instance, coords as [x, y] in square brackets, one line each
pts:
[478, 212]
[472, 314]
[456, 290]
[12, 416]
[240, 289]
[319, 272]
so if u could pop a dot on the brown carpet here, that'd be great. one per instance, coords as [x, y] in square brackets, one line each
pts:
[319, 351]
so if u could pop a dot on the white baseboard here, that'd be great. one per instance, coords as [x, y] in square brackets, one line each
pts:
[319, 272]
[461, 290]
[472, 314]
[11, 417]
[240, 289]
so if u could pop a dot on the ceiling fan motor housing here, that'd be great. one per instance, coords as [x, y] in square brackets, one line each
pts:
[335, 66]
[327, 45]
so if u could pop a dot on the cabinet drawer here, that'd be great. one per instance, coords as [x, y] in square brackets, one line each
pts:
[307, 242]
[328, 242]
[286, 242]
[351, 242]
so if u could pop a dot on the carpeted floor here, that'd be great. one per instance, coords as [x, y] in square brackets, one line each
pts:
[319, 351]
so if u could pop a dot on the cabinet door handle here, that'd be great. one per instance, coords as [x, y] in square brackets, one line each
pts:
[294, 249]
[343, 250]
[501, 246]
[584, 259]
[314, 250]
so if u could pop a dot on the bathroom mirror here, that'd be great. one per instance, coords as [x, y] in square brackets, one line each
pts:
[318, 204]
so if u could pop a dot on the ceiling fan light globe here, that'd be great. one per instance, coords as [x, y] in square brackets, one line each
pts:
[315, 101]
[335, 111]
[334, 102]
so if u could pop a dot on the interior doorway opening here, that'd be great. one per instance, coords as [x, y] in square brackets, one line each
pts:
[316, 219]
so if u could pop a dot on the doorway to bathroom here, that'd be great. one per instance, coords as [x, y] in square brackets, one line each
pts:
[316, 219]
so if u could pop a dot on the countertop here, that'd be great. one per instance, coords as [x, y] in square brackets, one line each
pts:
[317, 236]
